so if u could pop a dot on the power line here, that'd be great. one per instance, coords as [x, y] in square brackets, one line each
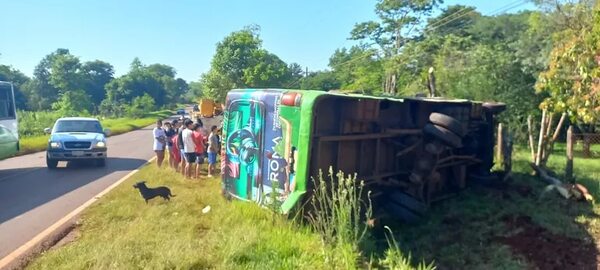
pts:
[468, 9]
[501, 9]
[497, 11]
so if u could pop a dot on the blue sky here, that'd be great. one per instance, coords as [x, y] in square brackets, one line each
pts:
[182, 33]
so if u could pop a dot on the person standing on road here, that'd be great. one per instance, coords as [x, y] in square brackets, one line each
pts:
[212, 150]
[189, 147]
[160, 140]
[199, 142]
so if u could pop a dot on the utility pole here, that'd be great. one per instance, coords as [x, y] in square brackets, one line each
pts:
[306, 73]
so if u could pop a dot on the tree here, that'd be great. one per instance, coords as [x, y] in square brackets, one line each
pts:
[295, 76]
[394, 29]
[96, 75]
[156, 80]
[267, 71]
[237, 52]
[355, 69]
[216, 85]
[240, 62]
[195, 90]
[41, 93]
[141, 105]
[320, 80]
[572, 78]
[454, 19]
[65, 73]
[73, 103]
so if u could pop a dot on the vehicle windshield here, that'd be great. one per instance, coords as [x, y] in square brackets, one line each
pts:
[78, 126]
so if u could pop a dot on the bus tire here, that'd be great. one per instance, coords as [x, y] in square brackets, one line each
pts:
[447, 122]
[444, 135]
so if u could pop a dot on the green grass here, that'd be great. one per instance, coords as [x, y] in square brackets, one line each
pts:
[460, 233]
[122, 232]
[37, 141]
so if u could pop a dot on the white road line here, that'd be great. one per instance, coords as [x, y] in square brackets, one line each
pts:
[17, 253]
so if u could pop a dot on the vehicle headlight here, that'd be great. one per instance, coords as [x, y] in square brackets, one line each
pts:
[100, 144]
[55, 144]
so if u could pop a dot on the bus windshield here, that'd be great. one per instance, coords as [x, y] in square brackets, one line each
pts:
[7, 104]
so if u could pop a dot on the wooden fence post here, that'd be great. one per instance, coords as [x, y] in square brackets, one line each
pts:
[530, 132]
[540, 148]
[499, 141]
[569, 167]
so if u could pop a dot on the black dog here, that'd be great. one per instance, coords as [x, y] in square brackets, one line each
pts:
[149, 193]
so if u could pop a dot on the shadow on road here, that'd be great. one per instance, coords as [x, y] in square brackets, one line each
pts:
[24, 189]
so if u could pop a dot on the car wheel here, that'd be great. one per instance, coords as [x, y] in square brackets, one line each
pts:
[444, 135]
[101, 162]
[447, 122]
[51, 163]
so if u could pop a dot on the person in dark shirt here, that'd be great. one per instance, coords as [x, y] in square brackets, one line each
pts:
[170, 132]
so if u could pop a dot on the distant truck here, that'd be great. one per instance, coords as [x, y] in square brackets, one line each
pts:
[208, 108]
[410, 152]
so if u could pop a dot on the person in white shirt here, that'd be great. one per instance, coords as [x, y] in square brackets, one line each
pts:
[160, 140]
[189, 147]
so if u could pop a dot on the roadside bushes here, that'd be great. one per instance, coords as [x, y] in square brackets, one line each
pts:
[33, 123]
[139, 107]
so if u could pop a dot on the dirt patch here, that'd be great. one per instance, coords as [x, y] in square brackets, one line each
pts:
[507, 191]
[546, 250]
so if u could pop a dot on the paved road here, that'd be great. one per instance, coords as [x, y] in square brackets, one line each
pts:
[32, 197]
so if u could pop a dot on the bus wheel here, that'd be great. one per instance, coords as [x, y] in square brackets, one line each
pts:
[51, 163]
[447, 122]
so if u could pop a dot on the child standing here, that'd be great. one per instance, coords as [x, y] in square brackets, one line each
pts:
[199, 142]
[213, 149]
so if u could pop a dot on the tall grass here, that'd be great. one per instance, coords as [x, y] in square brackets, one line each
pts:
[396, 259]
[339, 214]
[33, 123]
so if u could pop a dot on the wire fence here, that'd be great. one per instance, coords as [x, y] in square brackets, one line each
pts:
[586, 145]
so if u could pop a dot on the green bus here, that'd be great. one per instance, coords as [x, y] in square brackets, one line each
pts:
[409, 152]
[9, 131]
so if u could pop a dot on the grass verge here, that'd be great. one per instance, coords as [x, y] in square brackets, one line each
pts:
[121, 232]
[505, 227]
[36, 143]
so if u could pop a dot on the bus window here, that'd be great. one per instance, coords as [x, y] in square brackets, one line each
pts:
[7, 108]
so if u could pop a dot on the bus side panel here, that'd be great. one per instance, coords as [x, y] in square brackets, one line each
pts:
[242, 134]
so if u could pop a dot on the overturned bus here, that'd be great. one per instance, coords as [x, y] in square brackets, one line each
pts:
[409, 152]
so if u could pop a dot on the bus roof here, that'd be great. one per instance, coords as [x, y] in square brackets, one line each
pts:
[355, 95]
